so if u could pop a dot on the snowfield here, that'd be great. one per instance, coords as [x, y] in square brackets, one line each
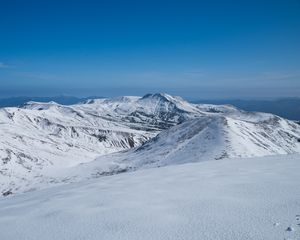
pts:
[251, 198]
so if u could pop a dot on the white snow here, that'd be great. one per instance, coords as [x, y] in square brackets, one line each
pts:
[201, 139]
[254, 198]
[48, 143]
[45, 137]
[145, 168]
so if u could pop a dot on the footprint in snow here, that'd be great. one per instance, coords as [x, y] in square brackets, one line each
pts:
[290, 229]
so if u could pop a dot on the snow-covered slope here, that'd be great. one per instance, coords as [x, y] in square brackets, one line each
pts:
[38, 139]
[217, 137]
[45, 143]
[41, 137]
[210, 137]
[255, 199]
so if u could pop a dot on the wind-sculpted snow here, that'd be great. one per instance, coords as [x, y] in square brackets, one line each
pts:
[48, 143]
[233, 199]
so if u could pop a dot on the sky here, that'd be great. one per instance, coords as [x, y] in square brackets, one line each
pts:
[195, 49]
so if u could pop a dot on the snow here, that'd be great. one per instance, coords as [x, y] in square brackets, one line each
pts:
[41, 138]
[151, 167]
[201, 139]
[251, 198]
[42, 144]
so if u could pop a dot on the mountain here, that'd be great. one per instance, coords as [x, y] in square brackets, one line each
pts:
[40, 138]
[285, 107]
[43, 137]
[217, 136]
[19, 101]
[159, 111]
[46, 143]
[213, 136]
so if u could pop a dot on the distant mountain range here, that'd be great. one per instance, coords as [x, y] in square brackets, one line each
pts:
[19, 101]
[285, 107]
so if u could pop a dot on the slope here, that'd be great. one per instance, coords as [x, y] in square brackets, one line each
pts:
[256, 198]
[210, 137]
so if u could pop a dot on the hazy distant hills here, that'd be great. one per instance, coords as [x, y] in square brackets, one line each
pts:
[19, 101]
[286, 107]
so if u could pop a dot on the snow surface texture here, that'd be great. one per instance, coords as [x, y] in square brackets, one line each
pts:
[46, 143]
[255, 199]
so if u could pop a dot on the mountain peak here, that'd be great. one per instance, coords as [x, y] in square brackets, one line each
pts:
[39, 105]
[156, 95]
[164, 97]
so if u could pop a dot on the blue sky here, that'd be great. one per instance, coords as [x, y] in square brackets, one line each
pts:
[196, 49]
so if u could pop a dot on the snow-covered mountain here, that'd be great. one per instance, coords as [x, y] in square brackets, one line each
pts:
[48, 143]
[209, 137]
[220, 136]
[152, 111]
[40, 138]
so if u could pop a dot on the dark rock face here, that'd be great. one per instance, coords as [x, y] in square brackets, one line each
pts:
[7, 193]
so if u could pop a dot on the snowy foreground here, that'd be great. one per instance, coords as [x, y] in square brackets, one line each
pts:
[254, 198]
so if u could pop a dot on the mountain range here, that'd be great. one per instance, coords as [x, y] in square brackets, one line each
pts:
[43, 144]
[285, 107]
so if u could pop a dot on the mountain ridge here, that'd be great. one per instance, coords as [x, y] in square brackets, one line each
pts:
[39, 140]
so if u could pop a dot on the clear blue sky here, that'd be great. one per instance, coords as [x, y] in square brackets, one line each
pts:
[197, 49]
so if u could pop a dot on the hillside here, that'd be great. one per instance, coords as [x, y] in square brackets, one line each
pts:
[210, 137]
[232, 199]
